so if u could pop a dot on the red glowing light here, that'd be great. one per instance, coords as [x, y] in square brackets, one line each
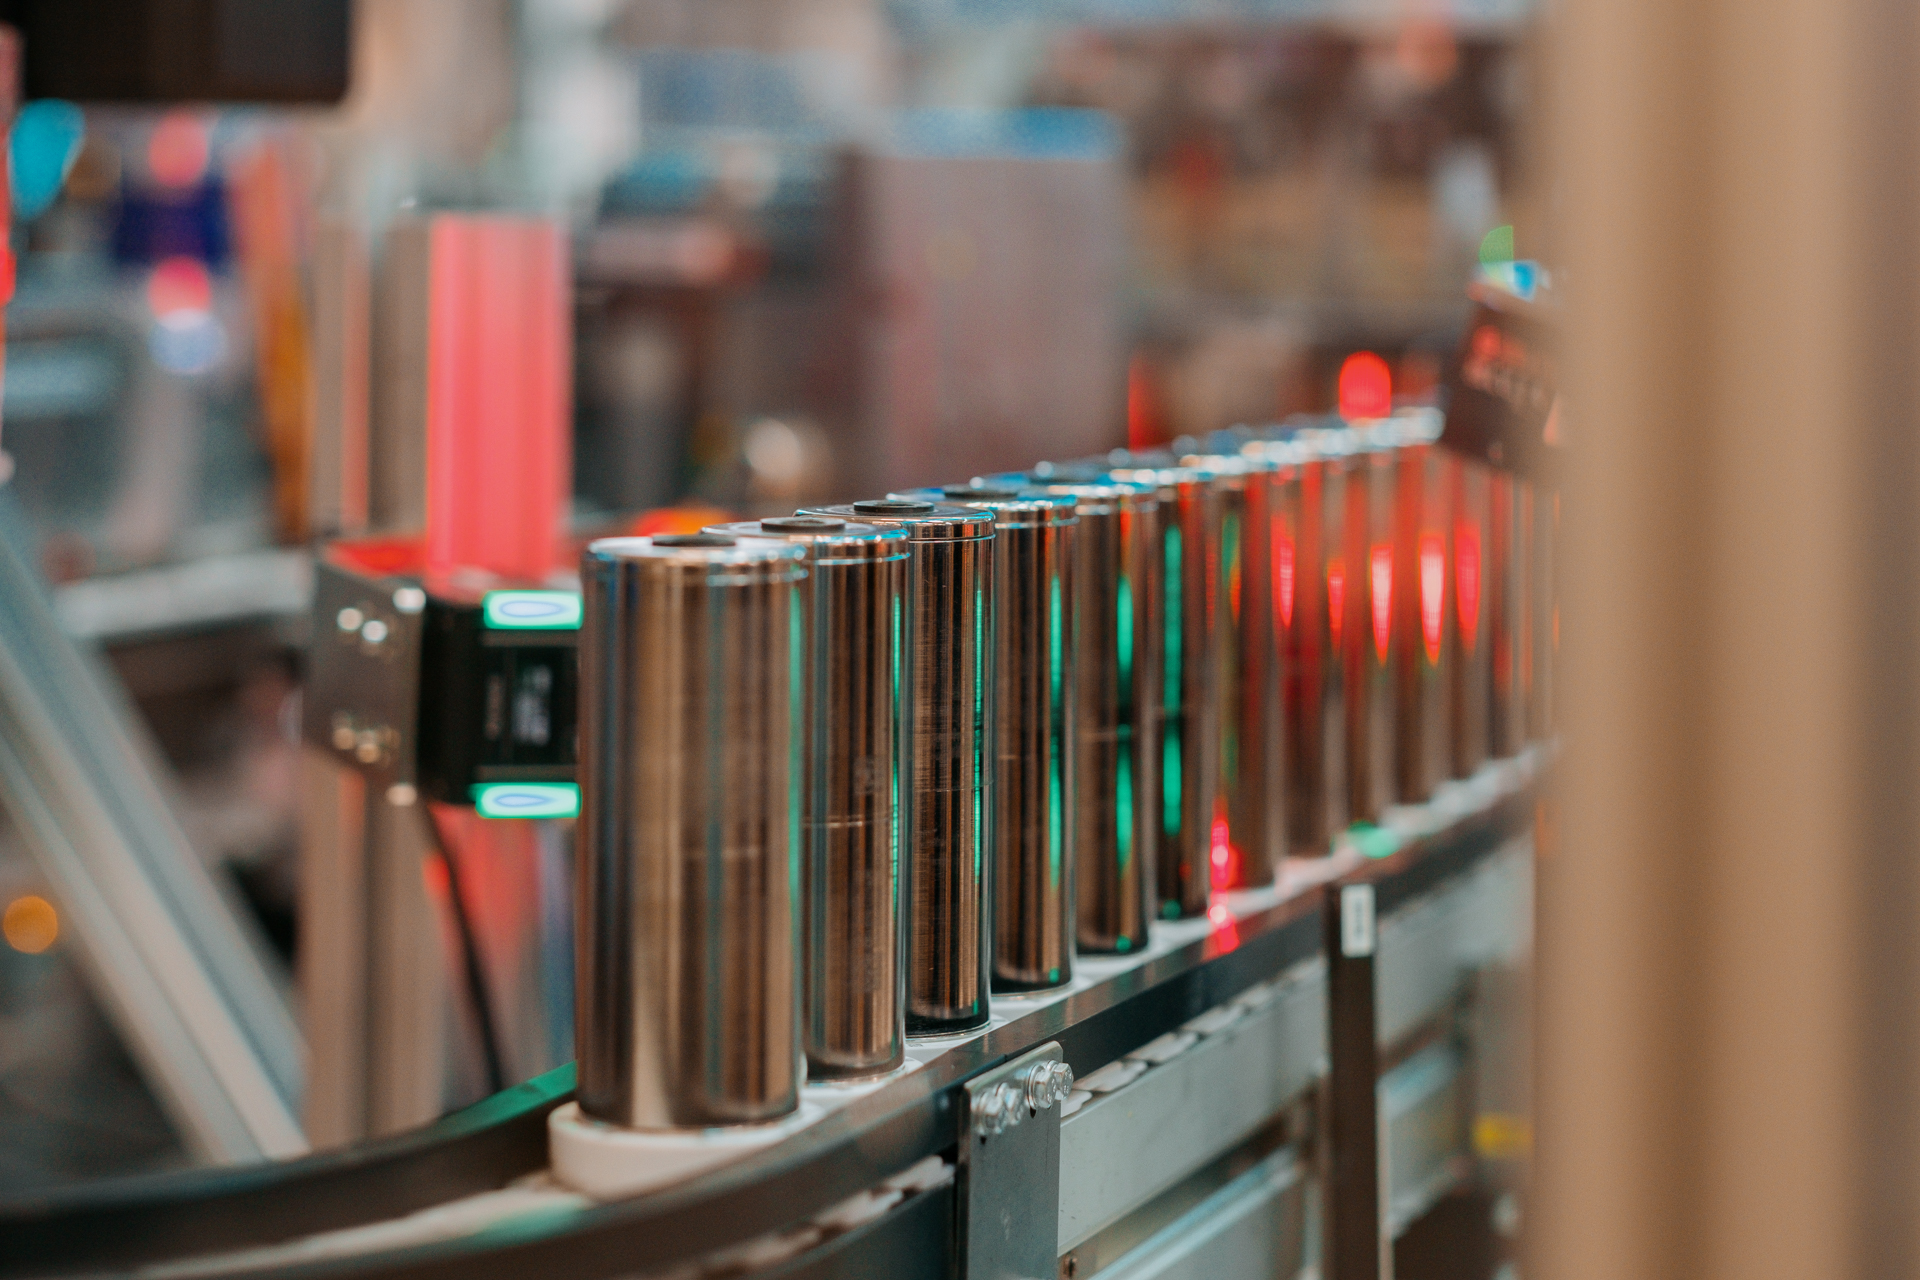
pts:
[1283, 560]
[179, 284]
[1466, 574]
[1143, 416]
[1382, 598]
[1433, 591]
[1336, 598]
[1366, 386]
[177, 152]
[1226, 930]
[1221, 853]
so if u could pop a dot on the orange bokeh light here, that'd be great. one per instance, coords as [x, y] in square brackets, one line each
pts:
[31, 924]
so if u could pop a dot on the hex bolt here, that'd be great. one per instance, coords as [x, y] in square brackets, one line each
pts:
[1048, 1083]
[989, 1114]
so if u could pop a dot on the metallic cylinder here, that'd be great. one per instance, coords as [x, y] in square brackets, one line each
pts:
[1314, 670]
[688, 836]
[1507, 547]
[1372, 578]
[852, 939]
[1033, 688]
[1471, 704]
[1543, 595]
[1252, 795]
[947, 791]
[1190, 699]
[1117, 711]
[1423, 643]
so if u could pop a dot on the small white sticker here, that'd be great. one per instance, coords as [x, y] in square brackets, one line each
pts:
[1356, 920]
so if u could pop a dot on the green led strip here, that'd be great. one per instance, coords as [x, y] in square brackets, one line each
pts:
[531, 610]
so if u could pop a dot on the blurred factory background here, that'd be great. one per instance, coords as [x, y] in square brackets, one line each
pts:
[818, 247]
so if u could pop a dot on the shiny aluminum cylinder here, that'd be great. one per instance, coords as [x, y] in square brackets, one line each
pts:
[947, 789]
[852, 939]
[1252, 794]
[1033, 694]
[1543, 594]
[1117, 709]
[1472, 700]
[1319, 804]
[1424, 644]
[688, 836]
[1373, 579]
[1509, 501]
[1189, 732]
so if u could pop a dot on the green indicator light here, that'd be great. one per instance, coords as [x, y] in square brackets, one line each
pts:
[527, 799]
[1374, 842]
[531, 610]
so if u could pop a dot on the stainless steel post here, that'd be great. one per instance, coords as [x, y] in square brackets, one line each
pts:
[1252, 777]
[1189, 730]
[948, 791]
[852, 941]
[1033, 694]
[1117, 567]
[688, 837]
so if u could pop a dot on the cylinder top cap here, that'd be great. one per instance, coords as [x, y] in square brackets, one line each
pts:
[975, 492]
[803, 524]
[923, 521]
[892, 507]
[693, 540]
[695, 549]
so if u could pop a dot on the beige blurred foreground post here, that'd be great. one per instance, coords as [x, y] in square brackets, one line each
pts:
[1730, 926]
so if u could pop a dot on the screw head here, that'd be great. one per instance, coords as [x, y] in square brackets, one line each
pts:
[1048, 1083]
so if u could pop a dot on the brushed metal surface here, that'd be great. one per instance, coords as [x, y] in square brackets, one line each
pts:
[1033, 822]
[1190, 512]
[852, 940]
[1468, 610]
[688, 835]
[1252, 784]
[948, 789]
[1117, 671]
[1423, 671]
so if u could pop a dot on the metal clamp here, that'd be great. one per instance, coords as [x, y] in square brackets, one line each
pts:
[1009, 1169]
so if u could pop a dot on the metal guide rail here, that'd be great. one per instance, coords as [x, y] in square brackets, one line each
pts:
[1188, 1140]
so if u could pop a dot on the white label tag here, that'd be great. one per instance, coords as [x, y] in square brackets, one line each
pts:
[1356, 920]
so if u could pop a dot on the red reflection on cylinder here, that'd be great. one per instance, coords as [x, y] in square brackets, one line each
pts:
[1336, 598]
[1433, 591]
[1283, 560]
[1466, 568]
[1382, 598]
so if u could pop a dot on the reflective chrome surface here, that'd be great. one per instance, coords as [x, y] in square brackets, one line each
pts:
[1373, 579]
[852, 937]
[1423, 669]
[1509, 506]
[1118, 565]
[1314, 667]
[688, 834]
[1190, 628]
[1468, 614]
[947, 789]
[1252, 779]
[1033, 696]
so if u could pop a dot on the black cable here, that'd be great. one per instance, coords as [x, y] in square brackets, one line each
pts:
[477, 986]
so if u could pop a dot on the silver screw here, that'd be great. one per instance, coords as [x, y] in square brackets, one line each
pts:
[349, 619]
[374, 631]
[989, 1114]
[409, 599]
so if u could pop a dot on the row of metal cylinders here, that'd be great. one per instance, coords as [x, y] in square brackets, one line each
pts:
[847, 774]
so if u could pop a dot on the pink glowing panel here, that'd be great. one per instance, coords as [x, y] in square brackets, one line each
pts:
[1366, 386]
[499, 375]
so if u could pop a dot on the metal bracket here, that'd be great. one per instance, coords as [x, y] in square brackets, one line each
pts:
[1009, 1174]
